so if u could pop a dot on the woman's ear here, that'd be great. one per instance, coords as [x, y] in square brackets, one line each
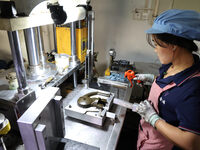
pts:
[173, 47]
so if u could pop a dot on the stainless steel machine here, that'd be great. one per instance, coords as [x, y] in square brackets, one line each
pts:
[29, 17]
[44, 118]
[14, 17]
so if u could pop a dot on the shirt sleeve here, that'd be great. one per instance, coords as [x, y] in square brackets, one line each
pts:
[188, 113]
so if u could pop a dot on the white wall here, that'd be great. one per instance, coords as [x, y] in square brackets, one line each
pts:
[114, 28]
[5, 52]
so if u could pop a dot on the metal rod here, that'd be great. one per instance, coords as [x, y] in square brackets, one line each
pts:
[31, 47]
[86, 73]
[2, 145]
[41, 49]
[86, 67]
[73, 38]
[89, 65]
[89, 31]
[79, 24]
[75, 79]
[54, 37]
[18, 61]
[73, 49]
[92, 42]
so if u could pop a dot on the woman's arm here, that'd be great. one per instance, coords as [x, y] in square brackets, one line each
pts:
[181, 138]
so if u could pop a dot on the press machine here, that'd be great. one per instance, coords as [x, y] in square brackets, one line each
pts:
[29, 16]
[32, 105]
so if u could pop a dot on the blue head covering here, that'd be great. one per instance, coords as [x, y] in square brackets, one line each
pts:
[183, 23]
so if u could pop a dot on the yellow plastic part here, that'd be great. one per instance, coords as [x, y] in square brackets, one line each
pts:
[107, 72]
[81, 43]
[6, 129]
[64, 41]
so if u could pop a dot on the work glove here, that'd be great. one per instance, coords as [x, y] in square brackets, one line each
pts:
[145, 77]
[147, 112]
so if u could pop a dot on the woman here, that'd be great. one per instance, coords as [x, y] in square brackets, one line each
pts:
[171, 115]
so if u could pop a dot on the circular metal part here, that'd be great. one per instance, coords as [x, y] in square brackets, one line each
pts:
[84, 102]
[112, 53]
[42, 73]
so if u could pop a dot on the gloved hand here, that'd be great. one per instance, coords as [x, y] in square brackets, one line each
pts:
[147, 112]
[145, 77]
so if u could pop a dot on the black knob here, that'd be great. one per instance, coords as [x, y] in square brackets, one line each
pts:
[58, 15]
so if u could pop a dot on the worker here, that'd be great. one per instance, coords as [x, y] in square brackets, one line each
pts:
[171, 115]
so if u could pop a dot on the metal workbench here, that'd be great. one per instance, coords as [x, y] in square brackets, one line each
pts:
[34, 84]
[105, 137]
[9, 101]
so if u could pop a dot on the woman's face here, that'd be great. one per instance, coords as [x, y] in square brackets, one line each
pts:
[165, 54]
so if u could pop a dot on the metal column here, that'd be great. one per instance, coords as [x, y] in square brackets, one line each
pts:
[32, 51]
[54, 37]
[41, 49]
[2, 144]
[73, 50]
[18, 61]
[87, 68]
[90, 43]
[92, 40]
[31, 47]
[73, 41]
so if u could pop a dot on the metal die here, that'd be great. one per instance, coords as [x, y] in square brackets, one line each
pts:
[91, 114]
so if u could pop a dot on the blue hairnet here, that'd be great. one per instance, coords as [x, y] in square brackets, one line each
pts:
[183, 23]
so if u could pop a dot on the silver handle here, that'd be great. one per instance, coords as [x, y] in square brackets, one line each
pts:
[132, 106]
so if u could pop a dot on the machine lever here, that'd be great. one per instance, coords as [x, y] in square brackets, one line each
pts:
[132, 106]
[43, 85]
